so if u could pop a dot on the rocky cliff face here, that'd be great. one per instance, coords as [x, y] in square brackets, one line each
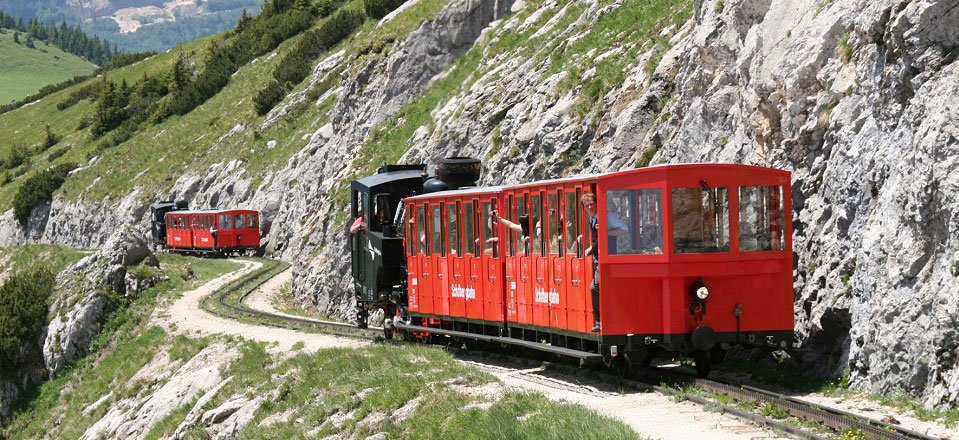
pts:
[86, 292]
[858, 98]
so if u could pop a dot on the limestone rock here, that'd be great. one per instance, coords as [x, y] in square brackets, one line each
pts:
[133, 417]
[85, 293]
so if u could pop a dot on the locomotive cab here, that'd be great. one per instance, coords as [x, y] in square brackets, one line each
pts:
[377, 263]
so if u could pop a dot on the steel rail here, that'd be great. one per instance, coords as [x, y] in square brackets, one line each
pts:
[838, 420]
[834, 418]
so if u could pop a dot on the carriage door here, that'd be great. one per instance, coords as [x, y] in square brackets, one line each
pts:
[471, 254]
[522, 246]
[454, 252]
[441, 305]
[490, 263]
[555, 252]
[577, 240]
[588, 261]
[413, 273]
[538, 258]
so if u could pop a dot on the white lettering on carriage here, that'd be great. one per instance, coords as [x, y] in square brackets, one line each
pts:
[546, 296]
[463, 292]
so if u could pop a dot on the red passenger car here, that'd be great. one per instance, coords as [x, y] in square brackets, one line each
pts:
[692, 258]
[221, 232]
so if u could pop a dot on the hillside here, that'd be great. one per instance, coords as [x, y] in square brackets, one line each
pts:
[859, 100]
[24, 71]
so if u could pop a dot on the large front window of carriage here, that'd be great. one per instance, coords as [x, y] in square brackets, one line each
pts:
[634, 221]
[700, 220]
[761, 220]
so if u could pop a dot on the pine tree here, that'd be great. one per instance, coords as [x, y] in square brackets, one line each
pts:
[16, 37]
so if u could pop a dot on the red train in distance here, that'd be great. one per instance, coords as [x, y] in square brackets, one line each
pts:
[219, 232]
[692, 259]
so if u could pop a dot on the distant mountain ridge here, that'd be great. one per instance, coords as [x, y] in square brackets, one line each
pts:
[138, 25]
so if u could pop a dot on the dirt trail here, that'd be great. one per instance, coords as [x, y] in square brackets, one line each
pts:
[185, 316]
[649, 414]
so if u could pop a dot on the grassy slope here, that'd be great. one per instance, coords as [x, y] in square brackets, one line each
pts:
[34, 256]
[24, 71]
[125, 345]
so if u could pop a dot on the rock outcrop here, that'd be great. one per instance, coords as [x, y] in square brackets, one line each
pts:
[133, 417]
[88, 289]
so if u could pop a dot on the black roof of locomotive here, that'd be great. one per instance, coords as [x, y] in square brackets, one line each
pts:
[369, 182]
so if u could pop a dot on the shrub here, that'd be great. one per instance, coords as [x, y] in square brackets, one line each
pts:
[19, 154]
[278, 21]
[23, 314]
[380, 8]
[264, 101]
[38, 189]
[296, 64]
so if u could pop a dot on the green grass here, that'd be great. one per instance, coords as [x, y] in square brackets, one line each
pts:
[514, 416]
[23, 71]
[123, 346]
[34, 256]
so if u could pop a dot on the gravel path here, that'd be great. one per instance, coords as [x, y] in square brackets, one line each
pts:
[184, 316]
[649, 414]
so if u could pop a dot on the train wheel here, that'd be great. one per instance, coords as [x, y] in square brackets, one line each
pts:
[703, 362]
[389, 314]
[362, 317]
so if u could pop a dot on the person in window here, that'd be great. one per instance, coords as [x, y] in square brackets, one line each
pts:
[614, 228]
[522, 227]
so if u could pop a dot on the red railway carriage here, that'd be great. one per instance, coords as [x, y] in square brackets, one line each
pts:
[222, 232]
[691, 258]
[454, 257]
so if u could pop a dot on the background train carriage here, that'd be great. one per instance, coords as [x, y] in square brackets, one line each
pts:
[222, 232]
[701, 258]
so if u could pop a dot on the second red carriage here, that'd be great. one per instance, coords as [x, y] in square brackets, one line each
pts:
[222, 232]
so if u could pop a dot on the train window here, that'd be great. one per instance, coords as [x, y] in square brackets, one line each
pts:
[361, 205]
[634, 221]
[409, 236]
[421, 230]
[536, 225]
[573, 239]
[468, 232]
[225, 222]
[761, 218]
[520, 241]
[437, 222]
[239, 222]
[381, 210]
[452, 230]
[553, 217]
[490, 239]
[700, 220]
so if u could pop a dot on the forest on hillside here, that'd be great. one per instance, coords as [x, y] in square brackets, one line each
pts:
[70, 39]
[157, 33]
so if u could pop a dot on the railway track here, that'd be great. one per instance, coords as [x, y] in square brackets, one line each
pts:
[228, 302]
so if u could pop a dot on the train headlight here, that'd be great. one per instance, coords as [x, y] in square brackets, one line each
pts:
[702, 293]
